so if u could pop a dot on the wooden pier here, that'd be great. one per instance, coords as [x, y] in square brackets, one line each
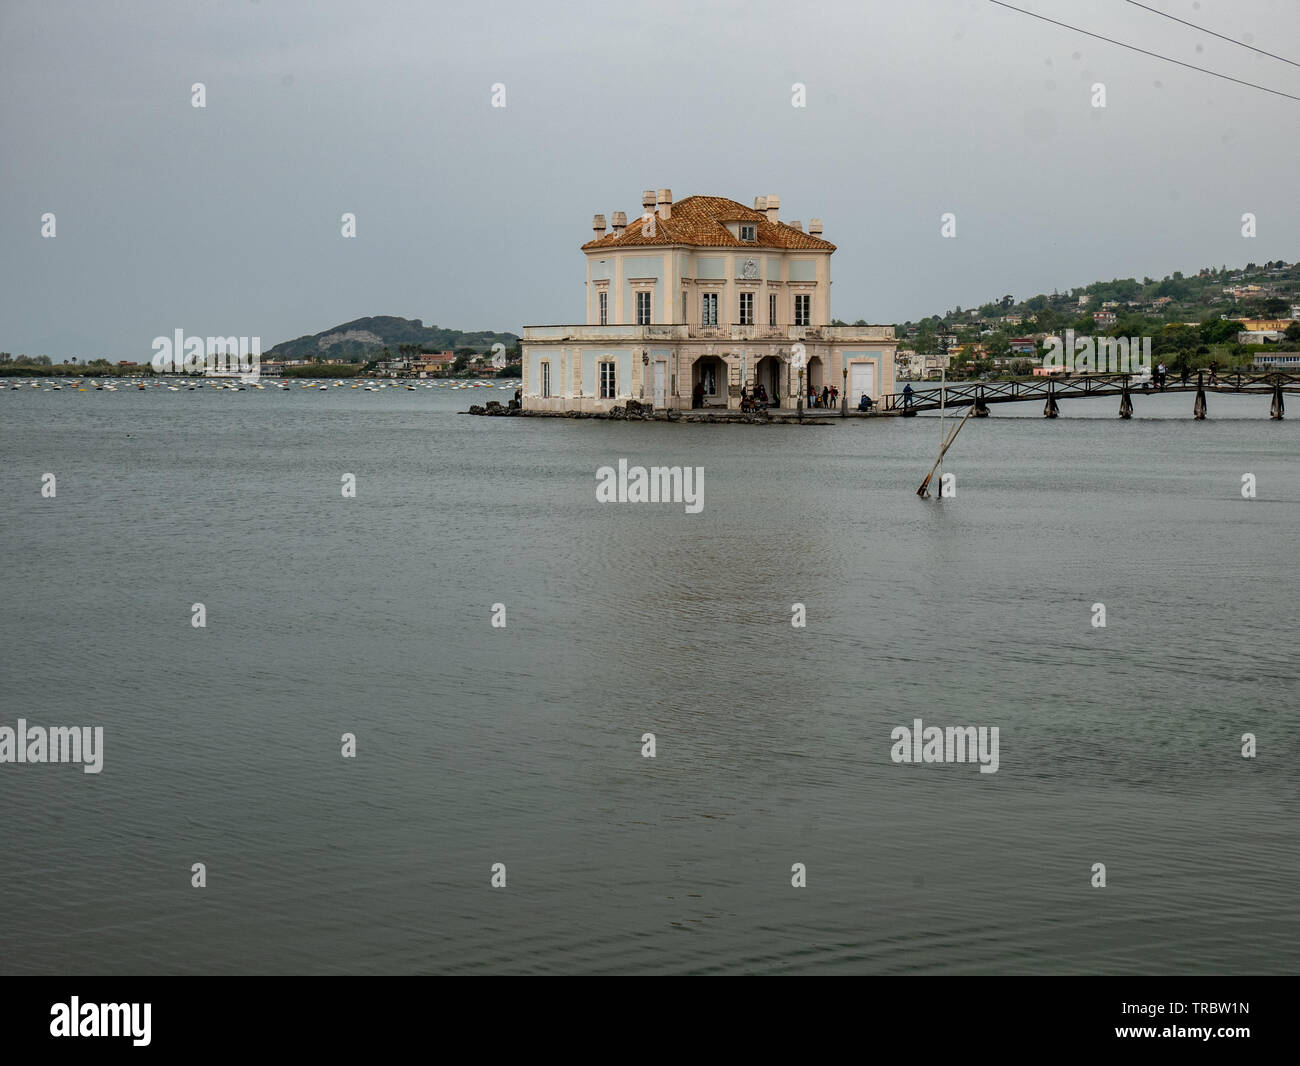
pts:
[1050, 391]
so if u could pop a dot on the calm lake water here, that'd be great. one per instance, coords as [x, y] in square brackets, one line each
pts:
[479, 745]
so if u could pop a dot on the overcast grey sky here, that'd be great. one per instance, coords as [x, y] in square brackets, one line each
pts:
[226, 220]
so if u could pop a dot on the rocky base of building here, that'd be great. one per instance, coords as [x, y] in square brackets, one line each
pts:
[633, 411]
[493, 407]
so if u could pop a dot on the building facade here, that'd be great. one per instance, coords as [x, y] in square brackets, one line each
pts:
[693, 302]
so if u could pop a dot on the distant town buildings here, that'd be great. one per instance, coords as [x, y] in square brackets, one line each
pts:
[424, 364]
[1262, 330]
[916, 367]
[434, 363]
[1277, 360]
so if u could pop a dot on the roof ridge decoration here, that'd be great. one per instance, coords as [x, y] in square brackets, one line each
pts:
[698, 221]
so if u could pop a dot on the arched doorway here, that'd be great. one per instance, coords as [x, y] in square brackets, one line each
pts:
[768, 373]
[709, 382]
[816, 376]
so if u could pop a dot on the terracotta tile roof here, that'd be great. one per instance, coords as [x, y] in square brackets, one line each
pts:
[698, 220]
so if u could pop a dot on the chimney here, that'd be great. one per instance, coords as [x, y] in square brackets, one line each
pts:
[598, 225]
[760, 203]
[620, 223]
[815, 227]
[647, 202]
[796, 225]
[665, 203]
[773, 206]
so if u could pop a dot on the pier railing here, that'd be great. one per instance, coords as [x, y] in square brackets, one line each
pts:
[1059, 387]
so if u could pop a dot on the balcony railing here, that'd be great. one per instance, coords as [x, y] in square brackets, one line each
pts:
[610, 332]
[733, 332]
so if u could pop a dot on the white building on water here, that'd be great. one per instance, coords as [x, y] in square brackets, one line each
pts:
[693, 301]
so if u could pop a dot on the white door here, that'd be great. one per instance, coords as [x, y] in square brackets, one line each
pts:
[862, 378]
[659, 391]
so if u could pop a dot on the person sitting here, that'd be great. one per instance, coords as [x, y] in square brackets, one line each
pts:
[864, 404]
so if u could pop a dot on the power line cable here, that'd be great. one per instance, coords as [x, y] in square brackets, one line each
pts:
[1230, 40]
[1153, 55]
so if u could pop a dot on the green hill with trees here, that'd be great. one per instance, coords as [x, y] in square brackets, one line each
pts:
[1193, 320]
[365, 339]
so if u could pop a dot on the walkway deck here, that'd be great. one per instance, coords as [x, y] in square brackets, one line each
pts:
[1049, 389]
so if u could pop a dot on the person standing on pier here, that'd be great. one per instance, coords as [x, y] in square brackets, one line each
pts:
[907, 396]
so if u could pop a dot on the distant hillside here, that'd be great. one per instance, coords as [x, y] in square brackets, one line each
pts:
[1267, 290]
[365, 338]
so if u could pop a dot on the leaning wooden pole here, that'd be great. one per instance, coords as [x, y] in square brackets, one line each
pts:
[923, 491]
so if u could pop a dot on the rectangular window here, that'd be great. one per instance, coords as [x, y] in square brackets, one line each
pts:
[771, 309]
[748, 233]
[803, 309]
[604, 308]
[607, 381]
[643, 308]
[709, 309]
[546, 380]
[746, 308]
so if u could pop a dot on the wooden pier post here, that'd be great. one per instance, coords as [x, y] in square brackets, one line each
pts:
[981, 408]
[1125, 402]
[1049, 408]
[1278, 407]
[1198, 405]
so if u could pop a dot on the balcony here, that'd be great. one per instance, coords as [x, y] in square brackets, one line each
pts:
[734, 332]
[605, 333]
[750, 332]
